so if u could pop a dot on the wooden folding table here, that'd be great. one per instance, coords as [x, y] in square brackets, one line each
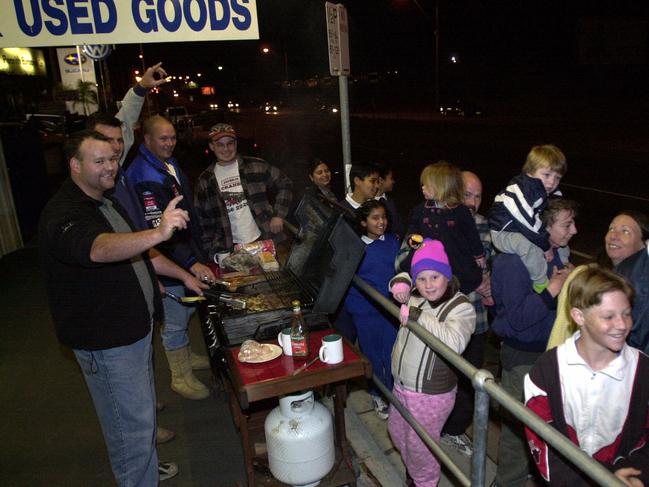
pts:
[252, 386]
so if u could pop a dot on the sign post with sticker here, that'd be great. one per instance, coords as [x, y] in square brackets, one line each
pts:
[338, 46]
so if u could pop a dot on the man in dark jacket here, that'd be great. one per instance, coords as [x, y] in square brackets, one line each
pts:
[119, 129]
[157, 178]
[102, 293]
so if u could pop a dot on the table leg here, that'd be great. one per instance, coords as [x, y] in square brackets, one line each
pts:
[247, 448]
[240, 418]
[340, 398]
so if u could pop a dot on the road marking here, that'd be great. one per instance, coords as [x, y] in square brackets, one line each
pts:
[640, 198]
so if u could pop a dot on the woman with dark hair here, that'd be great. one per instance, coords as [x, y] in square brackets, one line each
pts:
[626, 247]
[320, 176]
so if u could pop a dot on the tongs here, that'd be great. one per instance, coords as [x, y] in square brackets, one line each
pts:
[184, 299]
[231, 301]
[224, 298]
[230, 286]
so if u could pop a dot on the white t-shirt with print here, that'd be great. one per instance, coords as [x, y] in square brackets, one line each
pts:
[244, 227]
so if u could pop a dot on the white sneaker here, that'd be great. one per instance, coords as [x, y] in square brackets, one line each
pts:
[380, 407]
[461, 443]
[167, 470]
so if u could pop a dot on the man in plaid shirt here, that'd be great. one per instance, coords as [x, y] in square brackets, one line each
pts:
[460, 418]
[232, 197]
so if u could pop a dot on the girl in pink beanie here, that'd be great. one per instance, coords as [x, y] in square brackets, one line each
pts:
[423, 382]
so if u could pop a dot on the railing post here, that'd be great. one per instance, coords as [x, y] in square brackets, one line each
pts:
[486, 388]
[480, 428]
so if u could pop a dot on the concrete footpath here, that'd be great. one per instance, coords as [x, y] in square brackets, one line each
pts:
[52, 436]
[380, 463]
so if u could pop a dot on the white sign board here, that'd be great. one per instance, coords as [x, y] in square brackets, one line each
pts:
[338, 39]
[72, 70]
[28, 23]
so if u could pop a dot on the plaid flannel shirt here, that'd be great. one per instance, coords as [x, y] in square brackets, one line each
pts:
[481, 323]
[259, 180]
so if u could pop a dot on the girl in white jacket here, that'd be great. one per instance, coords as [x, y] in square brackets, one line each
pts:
[423, 382]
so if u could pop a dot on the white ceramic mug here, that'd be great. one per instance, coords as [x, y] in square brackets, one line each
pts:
[218, 258]
[284, 340]
[331, 351]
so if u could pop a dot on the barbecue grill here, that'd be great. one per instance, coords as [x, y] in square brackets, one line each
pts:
[323, 259]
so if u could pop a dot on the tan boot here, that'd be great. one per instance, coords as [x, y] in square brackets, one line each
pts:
[198, 362]
[163, 435]
[182, 379]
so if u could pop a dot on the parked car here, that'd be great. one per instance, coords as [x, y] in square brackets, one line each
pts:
[233, 106]
[182, 121]
[179, 117]
[54, 127]
[269, 107]
[460, 109]
[329, 108]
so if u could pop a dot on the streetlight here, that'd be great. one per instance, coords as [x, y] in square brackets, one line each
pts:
[267, 50]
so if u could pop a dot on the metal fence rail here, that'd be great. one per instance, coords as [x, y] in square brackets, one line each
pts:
[485, 387]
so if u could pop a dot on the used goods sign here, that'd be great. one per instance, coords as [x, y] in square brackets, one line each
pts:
[28, 23]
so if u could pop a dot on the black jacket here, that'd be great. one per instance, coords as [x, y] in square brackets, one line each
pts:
[94, 306]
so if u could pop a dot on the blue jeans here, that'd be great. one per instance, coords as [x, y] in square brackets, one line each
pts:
[174, 332]
[120, 381]
[513, 452]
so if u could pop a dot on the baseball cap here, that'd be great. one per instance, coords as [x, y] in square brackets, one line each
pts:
[221, 130]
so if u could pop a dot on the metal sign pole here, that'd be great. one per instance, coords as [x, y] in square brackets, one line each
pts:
[338, 43]
[344, 127]
[80, 64]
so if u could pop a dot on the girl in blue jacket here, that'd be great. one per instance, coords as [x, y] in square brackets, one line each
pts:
[376, 331]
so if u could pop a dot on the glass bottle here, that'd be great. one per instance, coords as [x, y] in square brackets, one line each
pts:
[299, 333]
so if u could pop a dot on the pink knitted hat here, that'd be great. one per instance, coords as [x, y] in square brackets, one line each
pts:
[431, 256]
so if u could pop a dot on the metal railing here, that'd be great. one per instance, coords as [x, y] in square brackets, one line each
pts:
[485, 388]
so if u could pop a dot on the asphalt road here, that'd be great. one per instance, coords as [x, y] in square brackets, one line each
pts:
[606, 158]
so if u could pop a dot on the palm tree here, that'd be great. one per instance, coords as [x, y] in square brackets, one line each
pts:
[87, 95]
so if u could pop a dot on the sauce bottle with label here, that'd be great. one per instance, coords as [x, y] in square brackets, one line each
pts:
[299, 333]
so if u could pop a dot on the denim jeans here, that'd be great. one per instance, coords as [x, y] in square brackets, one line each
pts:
[174, 332]
[513, 452]
[120, 381]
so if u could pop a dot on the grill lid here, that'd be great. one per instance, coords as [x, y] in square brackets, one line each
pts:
[325, 254]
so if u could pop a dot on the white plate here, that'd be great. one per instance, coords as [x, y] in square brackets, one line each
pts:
[276, 352]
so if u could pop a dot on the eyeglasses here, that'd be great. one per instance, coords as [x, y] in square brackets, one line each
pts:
[223, 145]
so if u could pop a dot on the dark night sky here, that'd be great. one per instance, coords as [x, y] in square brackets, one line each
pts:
[510, 36]
[397, 33]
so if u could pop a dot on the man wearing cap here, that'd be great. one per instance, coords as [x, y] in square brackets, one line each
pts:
[157, 178]
[233, 196]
